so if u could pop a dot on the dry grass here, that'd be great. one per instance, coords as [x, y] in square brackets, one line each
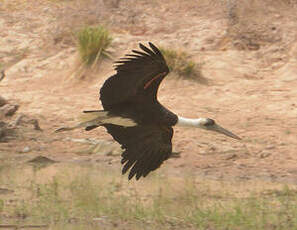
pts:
[93, 44]
[88, 198]
[181, 63]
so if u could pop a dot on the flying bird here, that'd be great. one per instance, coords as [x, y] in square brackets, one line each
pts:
[135, 118]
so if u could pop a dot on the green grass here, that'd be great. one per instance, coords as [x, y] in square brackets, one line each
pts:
[93, 43]
[90, 197]
[181, 63]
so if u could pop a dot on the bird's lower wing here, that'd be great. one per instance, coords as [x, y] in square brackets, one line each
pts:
[146, 147]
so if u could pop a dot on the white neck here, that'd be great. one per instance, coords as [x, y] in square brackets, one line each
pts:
[188, 122]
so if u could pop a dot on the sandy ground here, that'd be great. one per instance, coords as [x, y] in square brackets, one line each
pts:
[251, 85]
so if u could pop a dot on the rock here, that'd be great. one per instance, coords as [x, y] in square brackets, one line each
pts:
[26, 149]
[5, 191]
[41, 160]
[175, 154]
[8, 109]
[36, 124]
[102, 147]
[231, 156]
[23, 119]
[264, 154]
[5, 131]
[106, 148]
[2, 75]
[3, 101]
[269, 147]
[2, 129]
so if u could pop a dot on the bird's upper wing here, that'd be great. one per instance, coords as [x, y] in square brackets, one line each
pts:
[138, 77]
[146, 147]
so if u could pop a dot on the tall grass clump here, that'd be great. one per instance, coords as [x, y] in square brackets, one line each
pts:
[181, 63]
[93, 43]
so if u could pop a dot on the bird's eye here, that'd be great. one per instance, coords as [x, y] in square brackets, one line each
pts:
[209, 122]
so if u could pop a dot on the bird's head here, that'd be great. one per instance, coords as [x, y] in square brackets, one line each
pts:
[210, 124]
[205, 123]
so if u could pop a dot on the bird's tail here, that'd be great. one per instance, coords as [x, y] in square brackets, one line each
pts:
[88, 120]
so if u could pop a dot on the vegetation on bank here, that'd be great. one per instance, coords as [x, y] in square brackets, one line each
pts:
[91, 199]
[93, 44]
[181, 63]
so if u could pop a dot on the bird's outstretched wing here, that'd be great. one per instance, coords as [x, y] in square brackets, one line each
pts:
[137, 79]
[145, 147]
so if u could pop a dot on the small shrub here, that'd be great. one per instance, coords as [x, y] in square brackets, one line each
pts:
[180, 63]
[93, 43]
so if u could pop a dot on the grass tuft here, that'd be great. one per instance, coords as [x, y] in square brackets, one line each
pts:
[93, 43]
[181, 63]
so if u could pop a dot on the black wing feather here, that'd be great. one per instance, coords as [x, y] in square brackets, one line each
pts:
[141, 53]
[144, 48]
[155, 49]
[133, 72]
[146, 147]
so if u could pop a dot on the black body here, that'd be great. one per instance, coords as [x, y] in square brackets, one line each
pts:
[132, 93]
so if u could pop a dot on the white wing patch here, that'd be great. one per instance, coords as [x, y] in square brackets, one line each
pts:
[122, 121]
[103, 117]
[93, 116]
[98, 118]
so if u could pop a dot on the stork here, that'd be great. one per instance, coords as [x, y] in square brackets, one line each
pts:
[134, 117]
